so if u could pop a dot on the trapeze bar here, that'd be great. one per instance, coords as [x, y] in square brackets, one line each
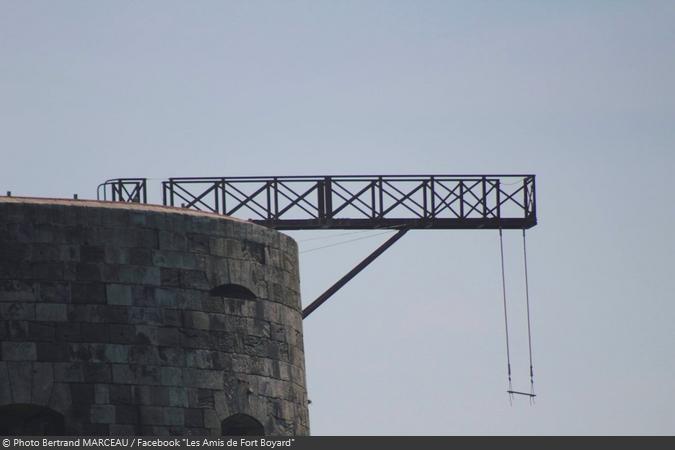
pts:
[522, 393]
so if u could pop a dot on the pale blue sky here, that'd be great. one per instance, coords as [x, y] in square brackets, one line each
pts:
[579, 93]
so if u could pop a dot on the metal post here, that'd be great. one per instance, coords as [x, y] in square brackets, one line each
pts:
[484, 188]
[269, 200]
[321, 200]
[328, 196]
[223, 194]
[433, 197]
[381, 198]
[499, 202]
[276, 198]
[534, 198]
[373, 204]
[215, 196]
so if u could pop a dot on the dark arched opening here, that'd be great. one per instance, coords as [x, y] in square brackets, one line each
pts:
[232, 291]
[242, 425]
[30, 420]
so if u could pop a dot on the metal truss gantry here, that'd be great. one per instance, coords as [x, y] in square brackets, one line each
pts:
[351, 201]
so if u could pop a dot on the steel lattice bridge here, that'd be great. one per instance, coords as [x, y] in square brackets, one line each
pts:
[350, 201]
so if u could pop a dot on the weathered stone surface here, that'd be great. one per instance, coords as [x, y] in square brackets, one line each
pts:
[141, 275]
[122, 334]
[92, 253]
[121, 394]
[88, 292]
[119, 294]
[208, 379]
[17, 311]
[82, 393]
[143, 295]
[20, 380]
[19, 351]
[171, 376]
[5, 384]
[126, 414]
[68, 332]
[178, 397]
[52, 312]
[102, 414]
[194, 417]
[68, 372]
[60, 400]
[123, 430]
[106, 317]
[151, 395]
[39, 331]
[17, 291]
[152, 415]
[102, 393]
[136, 374]
[117, 353]
[43, 381]
[97, 373]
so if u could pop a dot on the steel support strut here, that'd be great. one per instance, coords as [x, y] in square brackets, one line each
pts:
[352, 273]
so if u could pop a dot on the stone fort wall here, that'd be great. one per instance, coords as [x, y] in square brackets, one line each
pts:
[129, 319]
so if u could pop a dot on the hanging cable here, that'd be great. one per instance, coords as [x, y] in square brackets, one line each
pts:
[529, 322]
[506, 319]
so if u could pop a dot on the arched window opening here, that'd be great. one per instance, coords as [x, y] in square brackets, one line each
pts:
[30, 420]
[232, 291]
[242, 425]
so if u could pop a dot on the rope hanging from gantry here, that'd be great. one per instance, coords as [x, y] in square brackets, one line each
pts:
[531, 395]
[529, 320]
[506, 317]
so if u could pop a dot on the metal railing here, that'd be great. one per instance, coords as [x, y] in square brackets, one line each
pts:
[363, 201]
[351, 201]
[132, 190]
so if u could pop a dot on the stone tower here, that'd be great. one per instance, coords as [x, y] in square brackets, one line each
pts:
[135, 319]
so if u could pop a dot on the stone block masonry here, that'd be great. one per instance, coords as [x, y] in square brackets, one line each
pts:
[107, 320]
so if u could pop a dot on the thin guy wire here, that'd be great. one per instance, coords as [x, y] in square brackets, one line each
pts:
[319, 238]
[342, 242]
[351, 233]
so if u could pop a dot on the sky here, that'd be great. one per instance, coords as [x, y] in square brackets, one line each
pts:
[579, 93]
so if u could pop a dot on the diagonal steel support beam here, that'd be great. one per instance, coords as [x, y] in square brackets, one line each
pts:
[352, 273]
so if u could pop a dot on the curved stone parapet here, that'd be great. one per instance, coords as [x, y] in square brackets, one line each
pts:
[137, 319]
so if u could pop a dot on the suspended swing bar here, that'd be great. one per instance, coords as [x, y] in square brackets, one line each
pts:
[527, 394]
[510, 390]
